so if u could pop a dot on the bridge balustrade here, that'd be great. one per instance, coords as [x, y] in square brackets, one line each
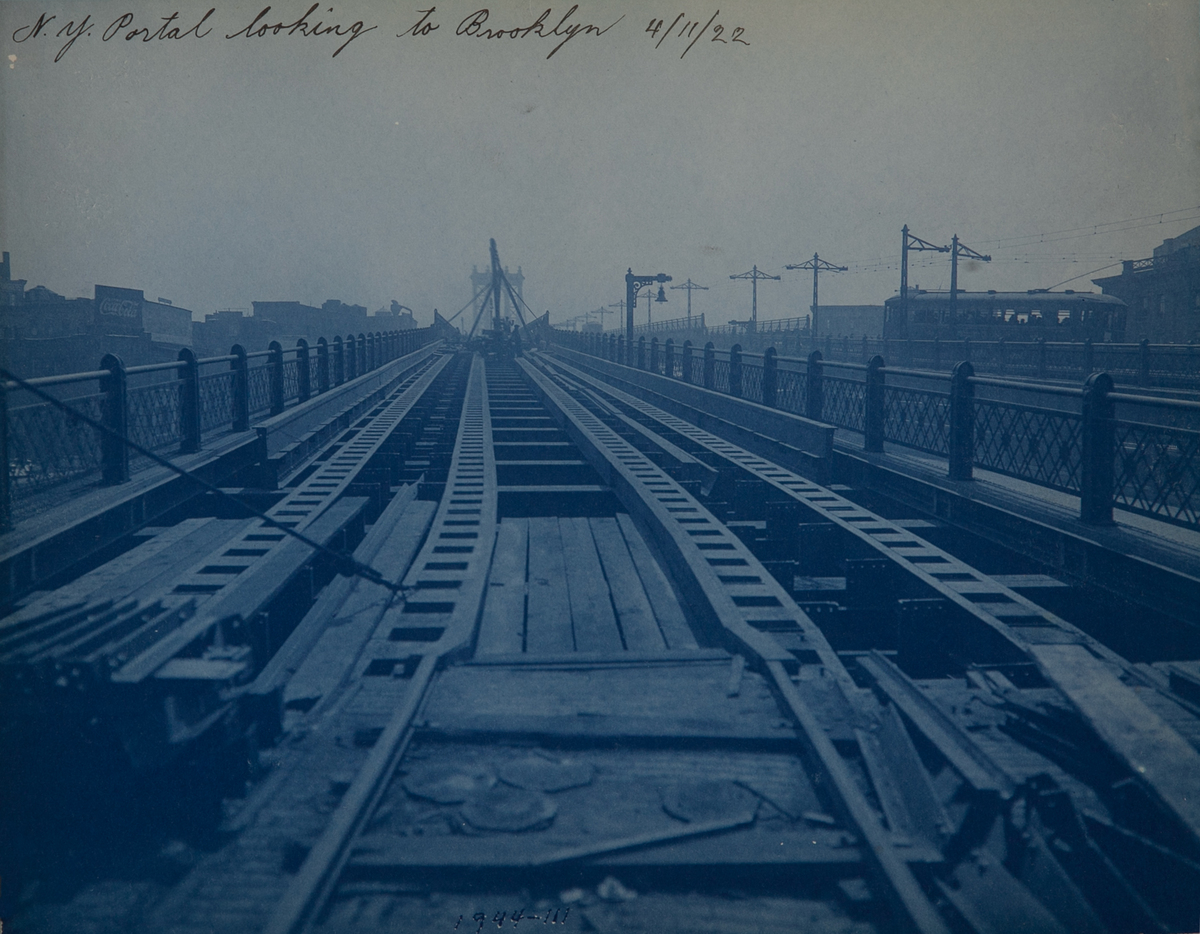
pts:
[1143, 364]
[1111, 448]
[163, 407]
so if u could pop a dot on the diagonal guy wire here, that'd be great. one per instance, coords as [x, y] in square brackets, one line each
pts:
[343, 563]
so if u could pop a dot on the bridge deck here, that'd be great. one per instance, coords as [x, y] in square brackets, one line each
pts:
[627, 654]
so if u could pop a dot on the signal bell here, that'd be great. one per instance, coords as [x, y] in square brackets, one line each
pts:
[662, 295]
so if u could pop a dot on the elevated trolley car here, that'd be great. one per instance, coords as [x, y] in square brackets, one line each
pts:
[990, 316]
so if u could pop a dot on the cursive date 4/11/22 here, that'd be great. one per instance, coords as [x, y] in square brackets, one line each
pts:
[684, 28]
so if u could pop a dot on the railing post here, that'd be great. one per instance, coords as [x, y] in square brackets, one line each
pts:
[351, 351]
[654, 354]
[339, 361]
[770, 376]
[114, 455]
[6, 523]
[379, 357]
[686, 363]
[360, 345]
[620, 348]
[873, 414]
[1099, 443]
[1041, 358]
[814, 388]
[710, 365]
[962, 422]
[303, 374]
[1089, 357]
[275, 376]
[322, 365]
[1144, 362]
[189, 403]
[369, 353]
[669, 359]
[241, 388]
[641, 352]
[735, 370]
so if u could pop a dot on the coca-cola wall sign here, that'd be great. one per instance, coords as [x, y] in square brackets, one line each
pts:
[119, 310]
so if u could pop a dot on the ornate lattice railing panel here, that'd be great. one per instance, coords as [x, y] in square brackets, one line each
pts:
[1043, 446]
[1157, 471]
[260, 389]
[216, 401]
[720, 375]
[1175, 366]
[752, 382]
[791, 391]
[917, 418]
[844, 403]
[155, 415]
[1065, 361]
[291, 380]
[47, 447]
[1121, 362]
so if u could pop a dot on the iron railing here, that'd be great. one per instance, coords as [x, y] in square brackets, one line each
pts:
[694, 323]
[1143, 364]
[164, 407]
[1135, 452]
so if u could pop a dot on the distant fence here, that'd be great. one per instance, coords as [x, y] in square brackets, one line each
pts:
[1131, 451]
[167, 407]
[1172, 366]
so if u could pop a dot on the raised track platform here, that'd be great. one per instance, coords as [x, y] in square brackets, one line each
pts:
[641, 672]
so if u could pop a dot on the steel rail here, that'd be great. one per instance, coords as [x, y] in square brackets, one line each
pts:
[298, 509]
[1001, 609]
[933, 566]
[664, 507]
[471, 483]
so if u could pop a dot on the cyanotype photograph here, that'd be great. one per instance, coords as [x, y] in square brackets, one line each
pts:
[600, 467]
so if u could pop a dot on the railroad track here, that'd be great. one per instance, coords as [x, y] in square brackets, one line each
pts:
[578, 694]
[621, 651]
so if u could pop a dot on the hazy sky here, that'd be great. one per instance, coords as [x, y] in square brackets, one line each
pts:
[217, 171]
